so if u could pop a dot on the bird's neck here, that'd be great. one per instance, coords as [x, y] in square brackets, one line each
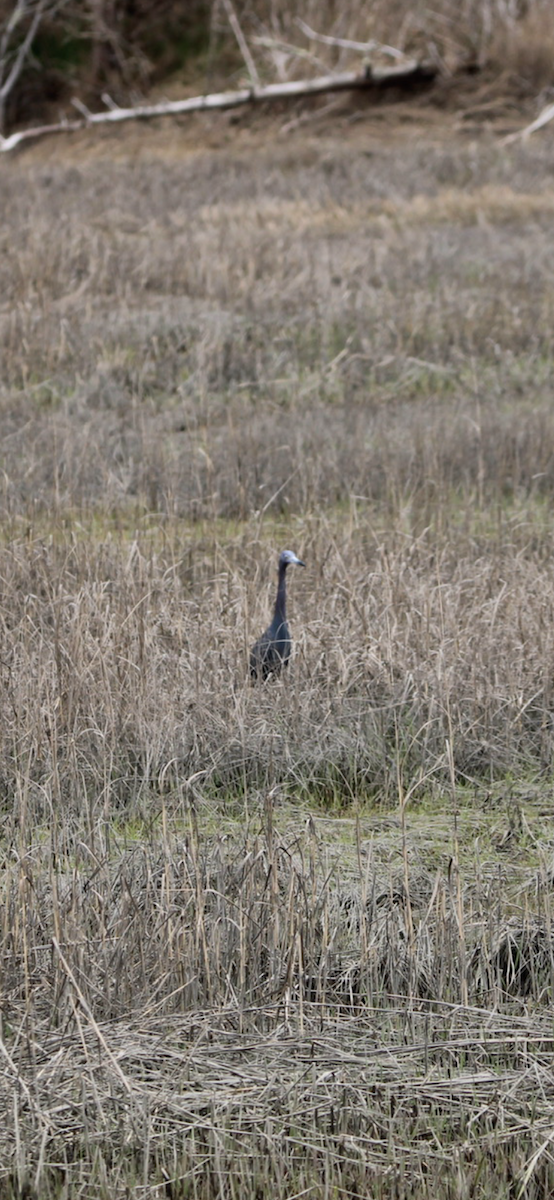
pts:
[281, 599]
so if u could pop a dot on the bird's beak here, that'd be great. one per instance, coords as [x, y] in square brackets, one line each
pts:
[298, 562]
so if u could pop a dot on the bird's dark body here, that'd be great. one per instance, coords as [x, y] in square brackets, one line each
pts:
[272, 650]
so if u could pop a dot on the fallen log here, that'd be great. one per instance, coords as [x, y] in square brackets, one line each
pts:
[411, 71]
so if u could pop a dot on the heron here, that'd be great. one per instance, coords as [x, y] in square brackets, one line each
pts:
[271, 652]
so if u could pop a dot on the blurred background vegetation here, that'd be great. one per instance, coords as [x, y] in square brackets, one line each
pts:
[129, 47]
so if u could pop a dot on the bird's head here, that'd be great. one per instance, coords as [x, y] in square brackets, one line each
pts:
[289, 559]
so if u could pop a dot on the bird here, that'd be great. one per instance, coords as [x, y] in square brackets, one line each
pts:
[271, 652]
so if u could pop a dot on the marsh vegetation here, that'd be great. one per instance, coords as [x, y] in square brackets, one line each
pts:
[295, 938]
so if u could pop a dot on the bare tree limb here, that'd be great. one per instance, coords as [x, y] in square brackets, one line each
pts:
[38, 131]
[10, 74]
[82, 108]
[243, 44]
[543, 118]
[410, 70]
[346, 44]
[288, 50]
[7, 83]
[107, 100]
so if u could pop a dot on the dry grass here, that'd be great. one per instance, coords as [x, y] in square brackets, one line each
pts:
[291, 939]
[257, 1012]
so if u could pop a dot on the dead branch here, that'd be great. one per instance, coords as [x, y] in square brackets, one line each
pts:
[543, 118]
[284, 50]
[347, 44]
[243, 44]
[409, 70]
[9, 74]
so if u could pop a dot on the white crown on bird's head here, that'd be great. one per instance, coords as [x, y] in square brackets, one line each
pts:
[288, 558]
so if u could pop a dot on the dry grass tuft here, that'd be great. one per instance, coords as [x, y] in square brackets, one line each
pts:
[173, 1006]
